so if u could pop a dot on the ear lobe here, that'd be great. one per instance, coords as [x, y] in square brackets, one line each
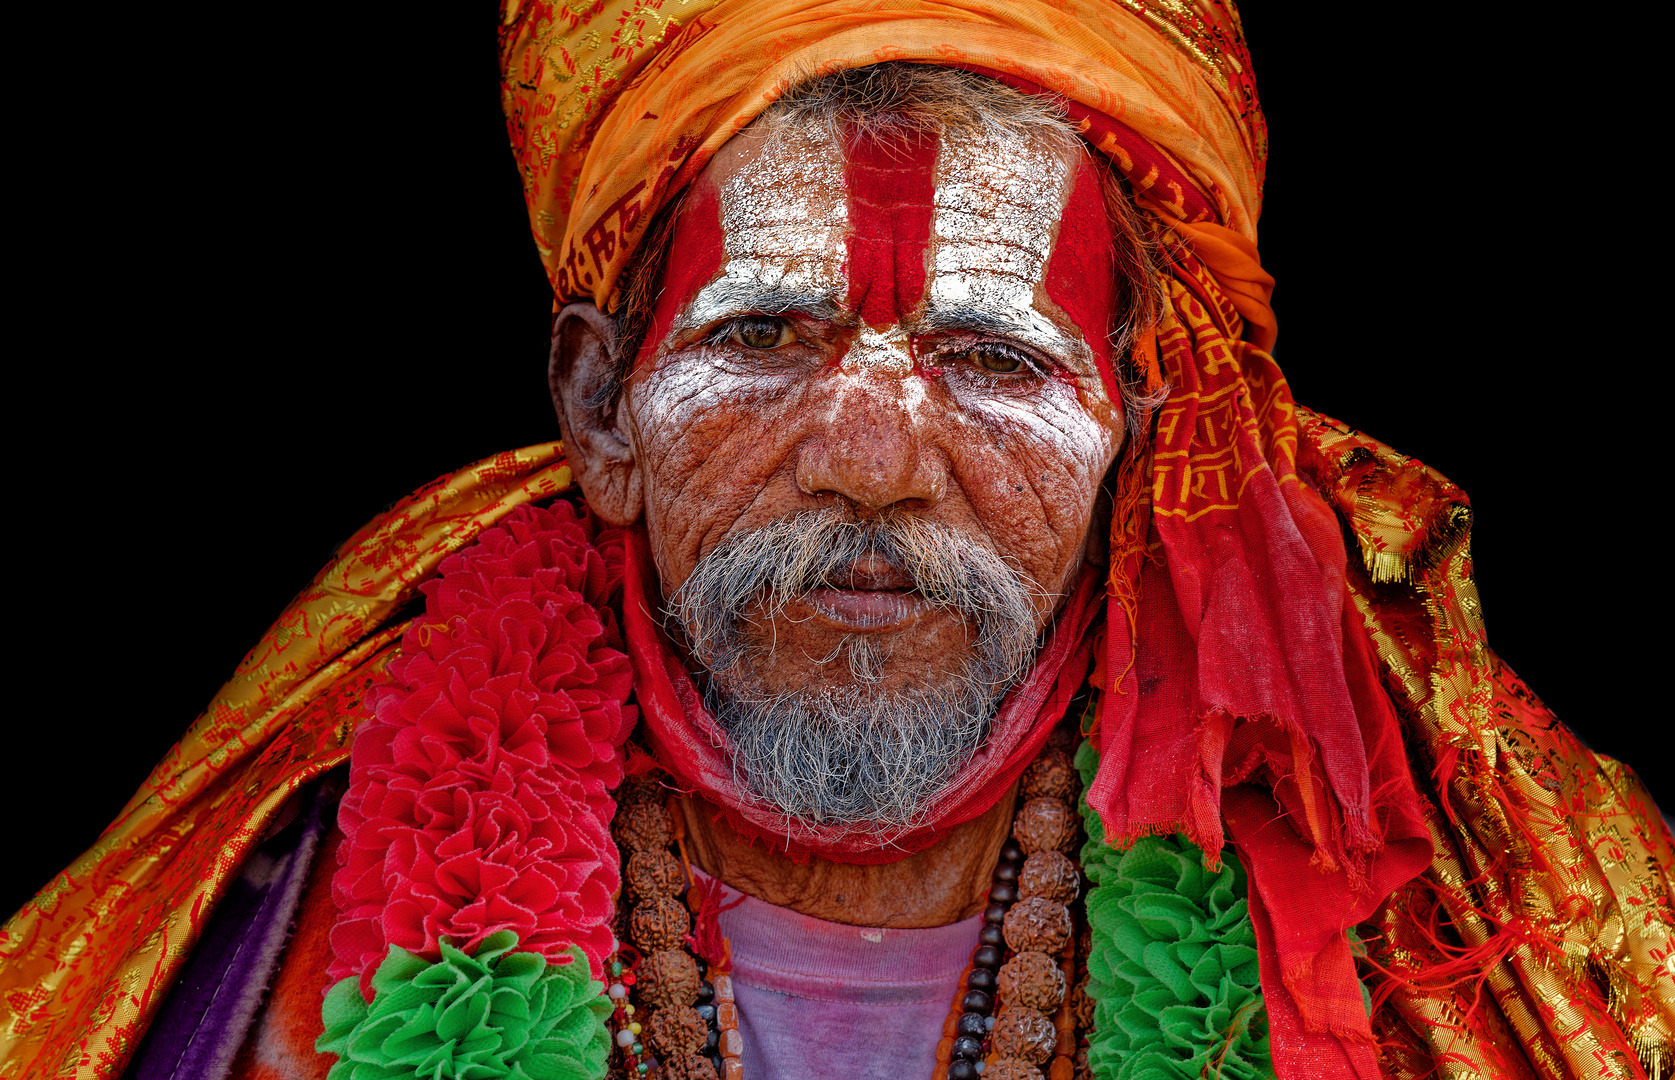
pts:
[587, 395]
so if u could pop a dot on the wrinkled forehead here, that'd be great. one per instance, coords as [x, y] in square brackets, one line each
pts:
[988, 231]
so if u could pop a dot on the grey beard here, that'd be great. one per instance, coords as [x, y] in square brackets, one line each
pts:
[854, 756]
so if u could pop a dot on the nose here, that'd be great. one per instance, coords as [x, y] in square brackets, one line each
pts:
[874, 449]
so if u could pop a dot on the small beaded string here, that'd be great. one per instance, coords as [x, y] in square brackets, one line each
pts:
[1013, 1010]
[960, 1053]
[627, 1029]
[951, 1026]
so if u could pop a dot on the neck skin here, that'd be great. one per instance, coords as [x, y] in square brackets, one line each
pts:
[943, 884]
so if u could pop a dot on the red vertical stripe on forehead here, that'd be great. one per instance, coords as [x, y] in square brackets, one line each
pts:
[696, 254]
[1081, 268]
[890, 206]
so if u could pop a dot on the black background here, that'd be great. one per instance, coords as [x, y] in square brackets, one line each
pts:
[273, 272]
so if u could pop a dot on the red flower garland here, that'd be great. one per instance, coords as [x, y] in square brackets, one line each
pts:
[479, 794]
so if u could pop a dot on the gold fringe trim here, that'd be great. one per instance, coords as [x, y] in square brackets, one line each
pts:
[1386, 567]
[1442, 535]
[1656, 1056]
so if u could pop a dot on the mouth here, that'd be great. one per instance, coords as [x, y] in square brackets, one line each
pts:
[870, 596]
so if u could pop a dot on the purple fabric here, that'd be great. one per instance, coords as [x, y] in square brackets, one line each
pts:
[820, 998]
[209, 1010]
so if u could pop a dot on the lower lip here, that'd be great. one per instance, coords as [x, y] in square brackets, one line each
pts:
[863, 609]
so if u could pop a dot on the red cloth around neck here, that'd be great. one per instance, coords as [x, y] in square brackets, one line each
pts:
[687, 743]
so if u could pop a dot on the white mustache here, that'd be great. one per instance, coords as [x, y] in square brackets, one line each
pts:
[786, 559]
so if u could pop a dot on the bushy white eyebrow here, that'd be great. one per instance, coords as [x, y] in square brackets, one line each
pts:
[1038, 332]
[726, 299]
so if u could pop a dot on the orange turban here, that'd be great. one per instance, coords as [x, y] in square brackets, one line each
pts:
[614, 107]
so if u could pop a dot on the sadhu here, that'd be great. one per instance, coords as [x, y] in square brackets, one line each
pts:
[940, 645]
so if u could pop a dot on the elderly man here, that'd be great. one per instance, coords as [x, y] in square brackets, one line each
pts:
[939, 646]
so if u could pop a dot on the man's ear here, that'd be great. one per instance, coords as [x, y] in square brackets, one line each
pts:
[581, 372]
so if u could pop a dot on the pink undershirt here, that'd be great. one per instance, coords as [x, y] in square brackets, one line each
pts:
[823, 999]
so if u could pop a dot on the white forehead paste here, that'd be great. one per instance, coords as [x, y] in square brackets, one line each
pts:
[783, 219]
[885, 352]
[997, 203]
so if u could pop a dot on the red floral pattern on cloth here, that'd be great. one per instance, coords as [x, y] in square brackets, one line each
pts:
[479, 795]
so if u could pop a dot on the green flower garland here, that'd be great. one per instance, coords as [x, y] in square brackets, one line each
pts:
[499, 1014]
[1173, 968]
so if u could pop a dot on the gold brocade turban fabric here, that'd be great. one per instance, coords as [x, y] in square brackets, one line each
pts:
[1537, 940]
[613, 108]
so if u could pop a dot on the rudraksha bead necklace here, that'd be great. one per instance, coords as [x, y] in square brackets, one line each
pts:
[1012, 1015]
[666, 1013]
[1014, 1012]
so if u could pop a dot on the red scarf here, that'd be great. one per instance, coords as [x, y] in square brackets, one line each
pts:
[1241, 685]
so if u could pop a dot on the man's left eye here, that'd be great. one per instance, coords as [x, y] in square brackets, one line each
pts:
[763, 333]
[1001, 361]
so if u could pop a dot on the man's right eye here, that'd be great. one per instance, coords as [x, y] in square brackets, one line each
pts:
[763, 333]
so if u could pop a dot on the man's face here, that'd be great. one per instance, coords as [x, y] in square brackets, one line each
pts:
[870, 426]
